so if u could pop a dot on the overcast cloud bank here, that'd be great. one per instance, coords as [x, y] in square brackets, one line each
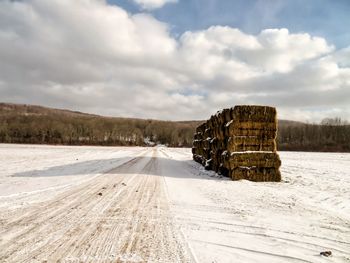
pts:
[95, 57]
[153, 4]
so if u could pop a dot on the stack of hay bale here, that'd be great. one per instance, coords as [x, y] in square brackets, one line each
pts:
[240, 142]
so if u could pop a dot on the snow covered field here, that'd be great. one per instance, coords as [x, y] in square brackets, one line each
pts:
[107, 204]
[31, 173]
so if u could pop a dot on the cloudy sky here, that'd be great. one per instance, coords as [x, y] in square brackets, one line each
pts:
[177, 59]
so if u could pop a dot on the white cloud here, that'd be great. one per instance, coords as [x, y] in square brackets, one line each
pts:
[91, 56]
[153, 4]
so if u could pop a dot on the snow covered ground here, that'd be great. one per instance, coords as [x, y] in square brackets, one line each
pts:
[167, 208]
[243, 221]
[32, 172]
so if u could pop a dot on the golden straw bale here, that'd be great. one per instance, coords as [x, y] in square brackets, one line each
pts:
[267, 145]
[248, 148]
[267, 126]
[259, 133]
[240, 142]
[256, 174]
[250, 140]
[254, 159]
[243, 113]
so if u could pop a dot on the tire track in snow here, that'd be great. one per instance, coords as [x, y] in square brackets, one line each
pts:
[130, 221]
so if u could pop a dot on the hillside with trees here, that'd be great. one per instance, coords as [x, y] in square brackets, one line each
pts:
[40, 125]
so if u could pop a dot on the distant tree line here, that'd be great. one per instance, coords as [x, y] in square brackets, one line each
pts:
[332, 135]
[39, 125]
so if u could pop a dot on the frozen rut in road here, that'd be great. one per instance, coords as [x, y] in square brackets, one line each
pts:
[120, 204]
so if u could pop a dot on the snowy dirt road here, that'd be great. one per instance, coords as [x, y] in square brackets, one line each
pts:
[114, 204]
[122, 215]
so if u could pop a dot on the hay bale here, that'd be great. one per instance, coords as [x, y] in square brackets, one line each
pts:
[254, 148]
[208, 164]
[249, 140]
[201, 128]
[266, 126]
[261, 130]
[227, 115]
[266, 134]
[217, 144]
[240, 142]
[250, 143]
[208, 133]
[254, 159]
[256, 174]
[253, 113]
[206, 143]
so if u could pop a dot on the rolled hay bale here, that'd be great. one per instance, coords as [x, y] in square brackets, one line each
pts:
[227, 115]
[256, 174]
[198, 158]
[197, 151]
[226, 155]
[214, 132]
[197, 143]
[215, 156]
[213, 159]
[206, 143]
[208, 164]
[214, 146]
[194, 150]
[208, 133]
[219, 118]
[197, 136]
[206, 153]
[223, 144]
[212, 121]
[201, 128]
[214, 143]
[254, 159]
[224, 171]
[209, 123]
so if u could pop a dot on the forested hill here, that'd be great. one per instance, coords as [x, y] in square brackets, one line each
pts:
[35, 124]
[40, 125]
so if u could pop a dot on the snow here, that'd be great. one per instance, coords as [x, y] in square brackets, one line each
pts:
[291, 221]
[37, 172]
[220, 220]
[229, 123]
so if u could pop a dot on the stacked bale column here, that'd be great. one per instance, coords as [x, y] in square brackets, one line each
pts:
[241, 143]
[198, 145]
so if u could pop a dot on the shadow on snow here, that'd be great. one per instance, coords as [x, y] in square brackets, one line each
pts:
[127, 165]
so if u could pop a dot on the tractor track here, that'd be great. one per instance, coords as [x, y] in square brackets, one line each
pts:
[120, 216]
